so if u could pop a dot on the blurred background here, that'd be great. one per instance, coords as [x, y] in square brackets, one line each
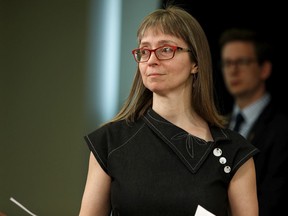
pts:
[66, 66]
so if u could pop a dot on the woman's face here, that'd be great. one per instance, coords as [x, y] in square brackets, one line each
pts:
[166, 76]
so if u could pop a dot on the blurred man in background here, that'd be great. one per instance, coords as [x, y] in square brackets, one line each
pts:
[246, 62]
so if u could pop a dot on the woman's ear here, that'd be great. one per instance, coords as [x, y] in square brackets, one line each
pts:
[194, 68]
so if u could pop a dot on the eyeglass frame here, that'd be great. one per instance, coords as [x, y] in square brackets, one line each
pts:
[240, 62]
[174, 48]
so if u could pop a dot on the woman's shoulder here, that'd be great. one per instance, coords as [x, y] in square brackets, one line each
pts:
[117, 129]
[235, 148]
[227, 135]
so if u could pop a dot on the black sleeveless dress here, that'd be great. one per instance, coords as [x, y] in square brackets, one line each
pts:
[159, 169]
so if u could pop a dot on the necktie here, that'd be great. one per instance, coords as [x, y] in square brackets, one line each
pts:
[239, 121]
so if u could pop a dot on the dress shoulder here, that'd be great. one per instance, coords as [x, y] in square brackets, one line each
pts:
[107, 138]
[238, 149]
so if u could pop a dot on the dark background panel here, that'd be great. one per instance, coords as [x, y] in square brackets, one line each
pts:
[266, 17]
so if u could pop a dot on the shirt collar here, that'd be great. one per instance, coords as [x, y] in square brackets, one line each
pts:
[251, 112]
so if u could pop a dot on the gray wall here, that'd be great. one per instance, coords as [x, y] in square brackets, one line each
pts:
[44, 113]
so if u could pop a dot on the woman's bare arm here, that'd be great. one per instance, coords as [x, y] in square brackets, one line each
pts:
[96, 196]
[242, 191]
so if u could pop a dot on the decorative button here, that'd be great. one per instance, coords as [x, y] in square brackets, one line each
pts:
[227, 169]
[217, 152]
[222, 160]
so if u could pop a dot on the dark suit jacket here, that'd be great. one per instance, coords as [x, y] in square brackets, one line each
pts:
[270, 135]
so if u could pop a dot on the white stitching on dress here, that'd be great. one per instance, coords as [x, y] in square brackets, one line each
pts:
[250, 153]
[126, 141]
[96, 152]
[174, 146]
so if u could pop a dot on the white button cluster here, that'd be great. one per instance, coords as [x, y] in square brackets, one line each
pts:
[222, 160]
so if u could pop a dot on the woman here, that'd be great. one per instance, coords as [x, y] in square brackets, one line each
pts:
[166, 152]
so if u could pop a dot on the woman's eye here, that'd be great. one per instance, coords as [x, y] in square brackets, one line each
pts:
[144, 52]
[167, 49]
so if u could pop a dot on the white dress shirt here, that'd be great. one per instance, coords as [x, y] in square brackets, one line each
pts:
[250, 114]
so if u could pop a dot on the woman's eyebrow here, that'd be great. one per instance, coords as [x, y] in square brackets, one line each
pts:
[161, 42]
